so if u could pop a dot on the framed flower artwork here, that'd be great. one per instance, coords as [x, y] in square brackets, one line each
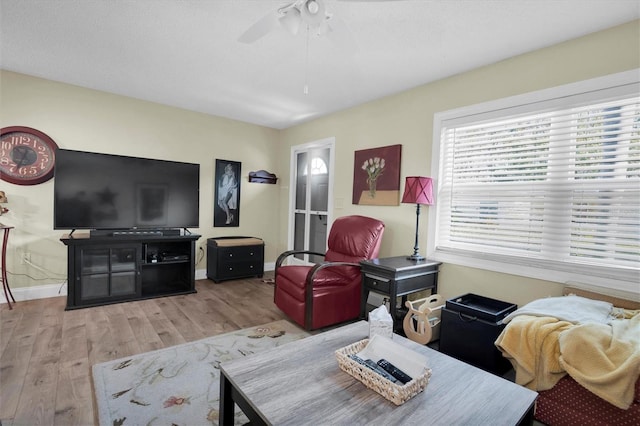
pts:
[376, 176]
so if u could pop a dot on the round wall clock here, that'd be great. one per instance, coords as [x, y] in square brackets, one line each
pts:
[27, 156]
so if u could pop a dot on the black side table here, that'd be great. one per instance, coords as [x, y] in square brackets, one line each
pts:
[395, 277]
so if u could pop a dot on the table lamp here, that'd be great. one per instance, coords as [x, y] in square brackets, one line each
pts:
[417, 190]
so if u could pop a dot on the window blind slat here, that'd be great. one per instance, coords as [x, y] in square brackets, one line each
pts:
[560, 183]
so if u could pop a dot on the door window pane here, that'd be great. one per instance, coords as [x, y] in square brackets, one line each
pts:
[317, 237]
[298, 240]
[320, 183]
[301, 181]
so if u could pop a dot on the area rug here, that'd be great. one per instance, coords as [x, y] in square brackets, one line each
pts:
[179, 385]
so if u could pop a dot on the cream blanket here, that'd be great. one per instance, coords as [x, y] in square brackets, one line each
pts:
[605, 359]
[575, 309]
[531, 345]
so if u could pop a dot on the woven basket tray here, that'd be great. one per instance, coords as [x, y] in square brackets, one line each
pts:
[398, 394]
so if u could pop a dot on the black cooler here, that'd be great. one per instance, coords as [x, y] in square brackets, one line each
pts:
[470, 326]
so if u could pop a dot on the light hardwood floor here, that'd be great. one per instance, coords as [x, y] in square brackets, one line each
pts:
[47, 352]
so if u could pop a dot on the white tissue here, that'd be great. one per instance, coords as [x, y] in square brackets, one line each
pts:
[412, 363]
[380, 322]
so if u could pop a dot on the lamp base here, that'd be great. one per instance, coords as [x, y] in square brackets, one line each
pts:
[416, 257]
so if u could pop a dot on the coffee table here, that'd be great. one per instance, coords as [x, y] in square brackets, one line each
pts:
[301, 383]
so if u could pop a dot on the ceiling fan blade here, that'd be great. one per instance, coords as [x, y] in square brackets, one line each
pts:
[258, 30]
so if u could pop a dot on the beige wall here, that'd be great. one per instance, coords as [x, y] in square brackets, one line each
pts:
[407, 119]
[89, 120]
[77, 118]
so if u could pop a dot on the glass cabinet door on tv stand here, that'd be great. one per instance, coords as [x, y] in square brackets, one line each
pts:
[107, 273]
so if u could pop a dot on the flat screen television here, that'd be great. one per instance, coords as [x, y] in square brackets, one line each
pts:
[114, 192]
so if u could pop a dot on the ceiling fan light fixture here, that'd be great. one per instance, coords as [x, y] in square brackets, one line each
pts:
[291, 20]
[313, 12]
[312, 6]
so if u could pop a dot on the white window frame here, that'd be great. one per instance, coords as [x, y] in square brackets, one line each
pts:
[619, 279]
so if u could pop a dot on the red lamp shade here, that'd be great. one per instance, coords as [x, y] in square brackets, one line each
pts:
[418, 190]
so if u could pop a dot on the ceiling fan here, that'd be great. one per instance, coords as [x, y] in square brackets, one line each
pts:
[311, 15]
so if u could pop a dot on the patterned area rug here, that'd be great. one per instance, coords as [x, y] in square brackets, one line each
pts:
[179, 385]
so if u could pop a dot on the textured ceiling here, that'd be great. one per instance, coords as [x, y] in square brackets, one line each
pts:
[186, 54]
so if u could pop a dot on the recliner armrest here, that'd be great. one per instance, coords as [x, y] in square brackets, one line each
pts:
[286, 254]
[315, 269]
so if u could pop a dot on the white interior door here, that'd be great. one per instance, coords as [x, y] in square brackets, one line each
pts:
[311, 194]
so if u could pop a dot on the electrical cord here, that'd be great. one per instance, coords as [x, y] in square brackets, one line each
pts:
[31, 277]
[200, 255]
[49, 276]
[46, 271]
[39, 279]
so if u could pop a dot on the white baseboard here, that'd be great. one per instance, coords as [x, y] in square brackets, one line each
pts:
[38, 292]
[201, 274]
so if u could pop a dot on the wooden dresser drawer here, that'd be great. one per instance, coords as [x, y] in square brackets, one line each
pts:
[240, 269]
[239, 254]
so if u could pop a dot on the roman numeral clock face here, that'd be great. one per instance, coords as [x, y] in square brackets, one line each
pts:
[27, 155]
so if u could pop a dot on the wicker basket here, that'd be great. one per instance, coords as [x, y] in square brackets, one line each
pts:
[398, 394]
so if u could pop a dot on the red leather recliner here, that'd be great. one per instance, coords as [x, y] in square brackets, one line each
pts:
[329, 293]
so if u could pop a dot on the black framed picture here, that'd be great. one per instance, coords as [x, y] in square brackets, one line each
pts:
[226, 210]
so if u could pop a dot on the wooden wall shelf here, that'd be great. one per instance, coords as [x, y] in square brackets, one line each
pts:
[262, 176]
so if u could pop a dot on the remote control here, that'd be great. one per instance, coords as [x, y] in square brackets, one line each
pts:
[394, 371]
[373, 366]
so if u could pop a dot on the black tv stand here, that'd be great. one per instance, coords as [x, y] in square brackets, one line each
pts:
[114, 268]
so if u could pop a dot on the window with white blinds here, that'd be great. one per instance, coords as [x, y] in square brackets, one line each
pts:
[551, 183]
